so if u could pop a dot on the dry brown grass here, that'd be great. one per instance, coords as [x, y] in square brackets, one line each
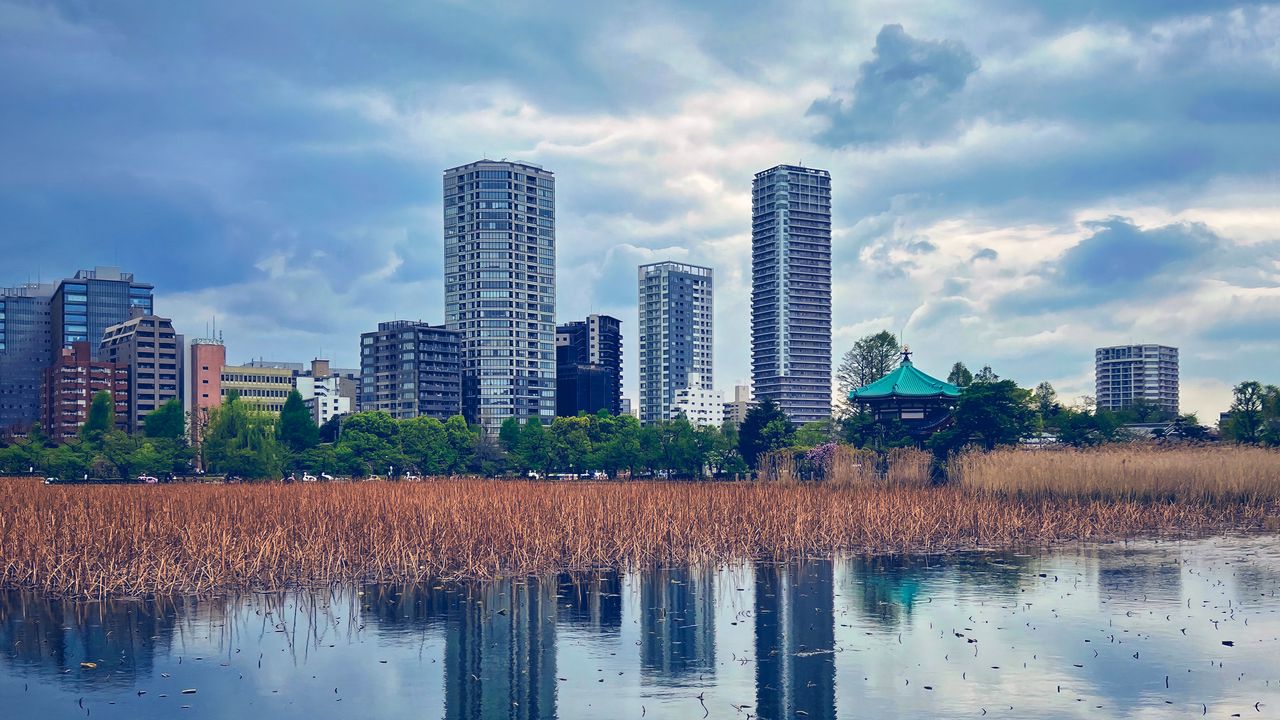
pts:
[1189, 474]
[121, 540]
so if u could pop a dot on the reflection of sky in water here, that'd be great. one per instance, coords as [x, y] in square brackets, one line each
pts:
[1131, 630]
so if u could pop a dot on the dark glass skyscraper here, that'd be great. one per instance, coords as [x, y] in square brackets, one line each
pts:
[791, 290]
[500, 287]
[24, 352]
[84, 307]
[589, 366]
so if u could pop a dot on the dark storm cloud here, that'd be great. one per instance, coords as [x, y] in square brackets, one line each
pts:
[902, 93]
[1119, 262]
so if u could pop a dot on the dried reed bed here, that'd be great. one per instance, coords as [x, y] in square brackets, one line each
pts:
[1188, 474]
[125, 540]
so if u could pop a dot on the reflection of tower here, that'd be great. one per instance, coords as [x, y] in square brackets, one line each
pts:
[48, 636]
[677, 626]
[594, 601]
[500, 652]
[795, 639]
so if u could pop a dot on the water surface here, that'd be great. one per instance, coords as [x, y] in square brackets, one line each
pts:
[1121, 630]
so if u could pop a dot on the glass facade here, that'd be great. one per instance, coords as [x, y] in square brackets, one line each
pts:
[24, 352]
[500, 280]
[84, 307]
[675, 335]
[791, 290]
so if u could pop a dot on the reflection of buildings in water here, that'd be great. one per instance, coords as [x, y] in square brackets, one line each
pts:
[43, 635]
[401, 609]
[677, 623]
[593, 601]
[795, 640]
[500, 650]
[1150, 573]
[884, 587]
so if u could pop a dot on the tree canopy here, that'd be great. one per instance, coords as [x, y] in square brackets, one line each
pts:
[296, 429]
[870, 359]
[166, 421]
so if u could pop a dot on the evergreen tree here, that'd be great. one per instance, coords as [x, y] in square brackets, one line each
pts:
[960, 375]
[765, 428]
[990, 414]
[509, 434]
[534, 449]
[166, 421]
[101, 419]
[296, 430]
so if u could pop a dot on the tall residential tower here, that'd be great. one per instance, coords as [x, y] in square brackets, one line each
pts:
[500, 287]
[675, 335]
[791, 290]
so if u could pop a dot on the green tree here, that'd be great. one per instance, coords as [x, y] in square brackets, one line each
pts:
[1046, 399]
[619, 449]
[986, 375]
[101, 418]
[1246, 417]
[241, 442]
[487, 456]
[461, 441]
[813, 434]
[570, 443]
[509, 434]
[960, 375]
[166, 421]
[426, 447]
[989, 414]
[330, 430]
[535, 451]
[870, 359]
[765, 428]
[296, 429]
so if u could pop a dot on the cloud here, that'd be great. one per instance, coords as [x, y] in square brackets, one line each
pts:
[1117, 262]
[902, 93]
[282, 170]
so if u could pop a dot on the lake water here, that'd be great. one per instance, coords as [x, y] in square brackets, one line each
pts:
[1122, 630]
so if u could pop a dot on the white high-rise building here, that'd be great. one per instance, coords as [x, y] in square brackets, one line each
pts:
[500, 288]
[675, 335]
[1126, 374]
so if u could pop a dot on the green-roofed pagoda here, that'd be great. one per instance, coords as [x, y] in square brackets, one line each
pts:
[920, 401]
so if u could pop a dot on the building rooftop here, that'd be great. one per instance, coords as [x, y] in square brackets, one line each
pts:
[905, 381]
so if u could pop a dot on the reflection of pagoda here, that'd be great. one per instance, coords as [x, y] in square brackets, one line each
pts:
[500, 651]
[795, 640]
[921, 402]
[677, 622]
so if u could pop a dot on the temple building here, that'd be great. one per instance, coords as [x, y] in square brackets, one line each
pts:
[919, 401]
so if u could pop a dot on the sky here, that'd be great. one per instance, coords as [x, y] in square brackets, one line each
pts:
[1014, 183]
